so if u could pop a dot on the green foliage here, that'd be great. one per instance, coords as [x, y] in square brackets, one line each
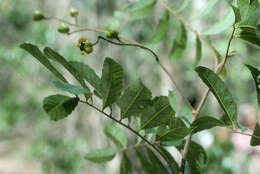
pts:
[206, 10]
[256, 76]
[142, 9]
[256, 141]
[70, 88]
[117, 135]
[59, 106]
[101, 155]
[173, 163]
[126, 165]
[198, 51]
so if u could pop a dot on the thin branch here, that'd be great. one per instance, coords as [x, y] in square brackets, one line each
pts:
[247, 134]
[132, 130]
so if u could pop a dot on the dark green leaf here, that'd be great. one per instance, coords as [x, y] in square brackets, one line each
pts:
[158, 167]
[179, 43]
[171, 143]
[248, 34]
[162, 28]
[254, 140]
[236, 13]
[70, 88]
[256, 76]
[111, 81]
[226, 120]
[117, 135]
[55, 56]
[172, 100]
[205, 122]
[158, 114]
[174, 134]
[249, 12]
[147, 166]
[142, 9]
[36, 53]
[206, 10]
[59, 106]
[101, 155]
[173, 163]
[88, 74]
[177, 122]
[221, 92]
[134, 100]
[198, 51]
[125, 166]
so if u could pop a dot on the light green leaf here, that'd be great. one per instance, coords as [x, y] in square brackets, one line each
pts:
[249, 11]
[174, 134]
[183, 6]
[256, 76]
[198, 51]
[254, 140]
[162, 28]
[142, 9]
[88, 74]
[236, 13]
[125, 166]
[173, 163]
[158, 114]
[111, 81]
[101, 155]
[179, 44]
[205, 122]
[134, 100]
[59, 106]
[206, 10]
[70, 88]
[55, 56]
[223, 24]
[36, 53]
[172, 100]
[117, 135]
[221, 92]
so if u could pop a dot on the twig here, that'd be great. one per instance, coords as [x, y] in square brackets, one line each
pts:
[247, 134]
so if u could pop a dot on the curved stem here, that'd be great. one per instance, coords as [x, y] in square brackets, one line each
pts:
[132, 130]
[247, 134]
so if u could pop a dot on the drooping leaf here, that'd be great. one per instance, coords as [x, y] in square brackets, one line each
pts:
[223, 24]
[179, 43]
[101, 155]
[162, 28]
[88, 74]
[70, 88]
[174, 134]
[59, 106]
[142, 9]
[156, 162]
[111, 81]
[256, 76]
[134, 100]
[220, 91]
[205, 122]
[206, 10]
[198, 51]
[36, 53]
[236, 13]
[196, 158]
[254, 140]
[248, 34]
[158, 114]
[125, 166]
[183, 6]
[172, 100]
[57, 57]
[173, 163]
[249, 11]
[117, 135]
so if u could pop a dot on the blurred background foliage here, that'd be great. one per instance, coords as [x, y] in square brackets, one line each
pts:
[30, 143]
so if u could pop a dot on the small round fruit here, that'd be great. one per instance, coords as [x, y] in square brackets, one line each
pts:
[37, 15]
[74, 12]
[63, 28]
[112, 34]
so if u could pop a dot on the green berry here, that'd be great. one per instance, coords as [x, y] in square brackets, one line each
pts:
[112, 34]
[74, 12]
[63, 28]
[37, 15]
[88, 50]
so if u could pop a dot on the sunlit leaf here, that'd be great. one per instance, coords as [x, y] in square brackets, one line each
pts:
[172, 100]
[101, 155]
[256, 76]
[125, 166]
[206, 10]
[254, 140]
[142, 9]
[220, 91]
[59, 106]
[198, 51]
[111, 81]
[70, 88]
[117, 135]
[249, 11]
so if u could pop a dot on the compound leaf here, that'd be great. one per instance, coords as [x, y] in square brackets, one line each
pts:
[117, 135]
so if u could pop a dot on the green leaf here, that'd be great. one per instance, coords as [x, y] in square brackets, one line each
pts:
[55, 56]
[70, 88]
[147, 166]
[134, 100]
[158, 114]
[174, 134]
[248, 34]
[198, 51]
[172, 100]
[117, 135]
[254, 140]
[249, 11]
[256, 76]
[162, 28]
[89, 75]
[179, 43]
[223, 24]
[111, 81]
[236, 13]
[142, 9]
[157, 164]
[205, 122]
[125, 166]
[221, 92]
[183, 6]
[59, 106]
[173, 163]
[206, 10]
[196, 158]
[101, 155]
[36, 53]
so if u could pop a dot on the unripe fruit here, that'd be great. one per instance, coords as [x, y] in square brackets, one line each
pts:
[112, 34]
[37, 15]
[85, 46]
[74, 12]
[63, 28]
